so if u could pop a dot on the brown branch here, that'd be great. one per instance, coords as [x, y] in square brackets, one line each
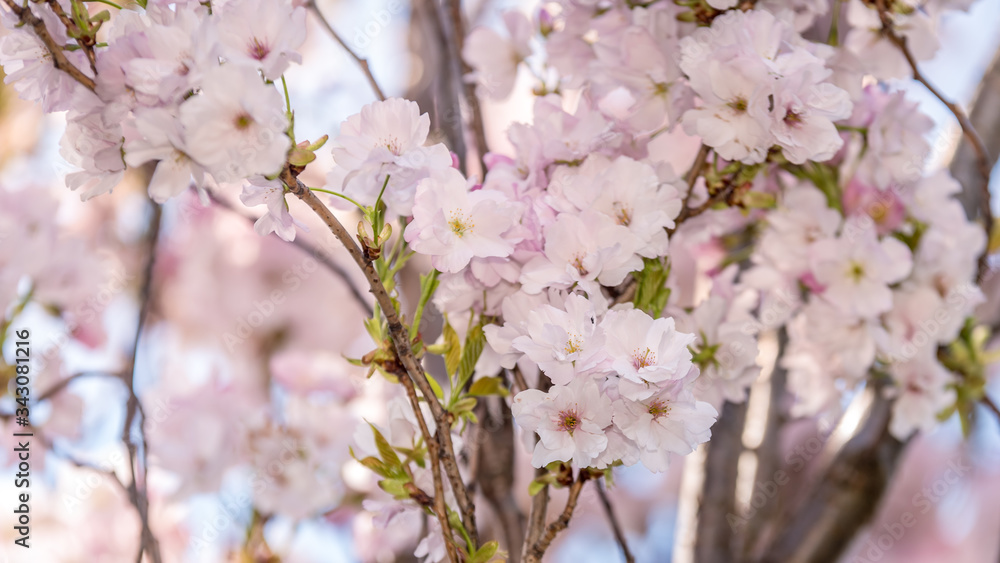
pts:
[988, 402]
[440, 509]
[983, 159]
[59, 59]
[85, 42]
[327, 261]
[692, 174]
[403, 348]
[539, 547]
[539, 502]
[457, 42]
[714, 538]
[63, 383]
[362, 62]
[133, 408]
[494, 469]
[609, 511]
[519, 380]
[769, 450]
[845, 498]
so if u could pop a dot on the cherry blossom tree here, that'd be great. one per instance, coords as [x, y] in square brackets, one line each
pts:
[442, 333]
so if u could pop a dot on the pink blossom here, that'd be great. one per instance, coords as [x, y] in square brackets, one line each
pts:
[453, 225]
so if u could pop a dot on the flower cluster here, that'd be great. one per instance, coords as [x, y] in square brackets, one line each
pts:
[189, 91]
[694, 175]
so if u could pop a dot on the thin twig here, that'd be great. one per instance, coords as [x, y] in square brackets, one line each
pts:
[539, 502]
[133, 409]
[519, 379]
[403, 348]
[560, 524]
[63, 383]
[58, 56]
[988, 402]
[362, 62]
[327, 261]
[86, 46]
[468, 88]
[440, 509]
[983, 159]
[609, 511]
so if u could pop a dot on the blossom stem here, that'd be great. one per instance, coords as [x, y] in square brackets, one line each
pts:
[288, 100]
[108, 2]
[404, 351]
[342, 196]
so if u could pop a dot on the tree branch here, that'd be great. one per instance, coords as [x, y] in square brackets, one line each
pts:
[133, 408]
[769, 450]
[362, 62]
[714, 538]
[57, 387]
[403, 348]
[539, 502]
[983, 160]
[539, 547]
[468, 88]
[440, 509]
[985, 116]
[846, 496]
[609, 511]
[495, 469]
[59, 59]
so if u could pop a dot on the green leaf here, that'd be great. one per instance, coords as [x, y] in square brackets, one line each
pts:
[536, 487]
[318, 144]
[759, 200]
[488, 386]
[376, 465]
[474, 343]
[463, 405]
[453, 355]
[436, 387]
[300, 157]
[485, 553]
[385, 450]
[428, 285]
[651, 292]
[395, 487]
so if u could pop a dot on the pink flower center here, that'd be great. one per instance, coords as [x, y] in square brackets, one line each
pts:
[643, 359]
[258, 49]
[459, 223]
[243, 121]
[624, 214]
[568, 421]
[659, 408]
[573, 344]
